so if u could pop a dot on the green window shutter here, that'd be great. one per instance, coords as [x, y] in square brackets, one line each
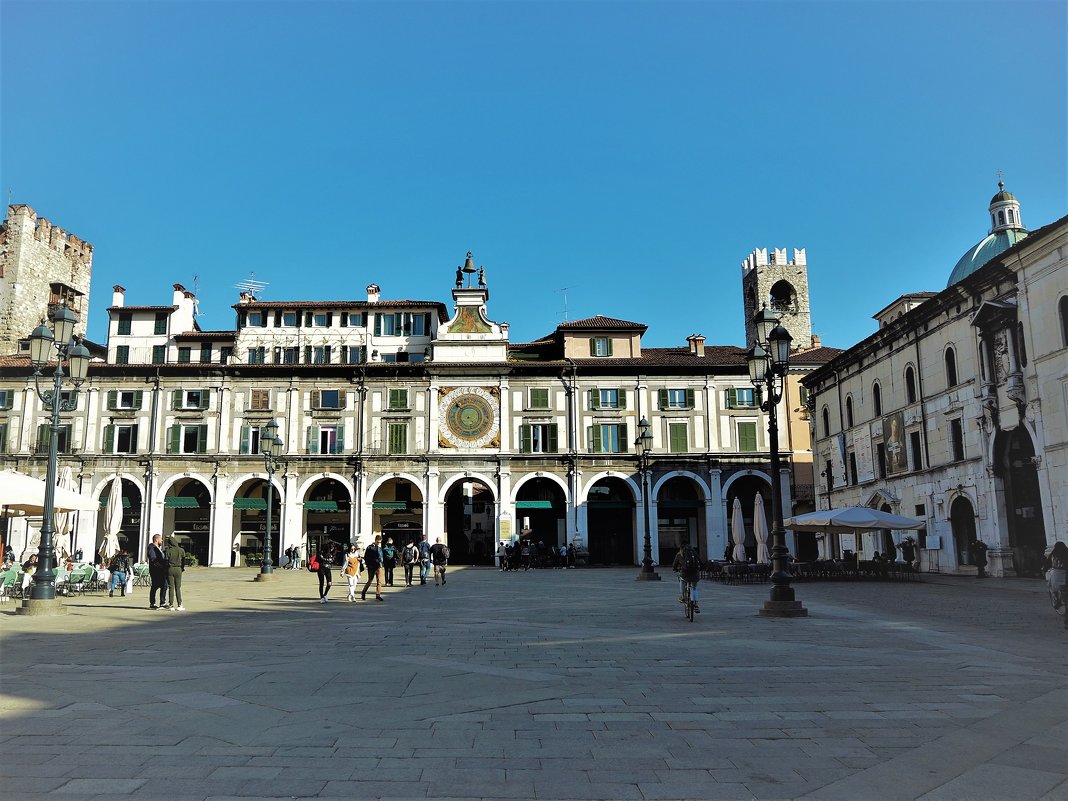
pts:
[202, 439]
[205, 399]
[747, 438]
[133, 438]
[595, 399]
[551, 446]
[241, 317]
[246, 439]
[344, 352]
[689, 399]
[263, 319]
[3, 437]
[426, 323]
[109, 439]
[174, 439]
[313, 439]
[139, 397]
[593, 346]
[176, 399]
[299, 317]
[326, 354]
[378, 325]
[525, 445]
[398, 438]
[309, 319]
[329, 319]
[609, 341]
[278, 319]
[339, 440]
[624, 439]
[732, 398]
[113, 398]
[677, 436]
[315, 399]
[663, 394]
[594, 435]
[307, 354]
[344, 319]
[622, 398]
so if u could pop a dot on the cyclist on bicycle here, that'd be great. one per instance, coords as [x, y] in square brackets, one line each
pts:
[1057, 566]
[688, 565]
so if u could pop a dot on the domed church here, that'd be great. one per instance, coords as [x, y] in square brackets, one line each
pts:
[955, 410]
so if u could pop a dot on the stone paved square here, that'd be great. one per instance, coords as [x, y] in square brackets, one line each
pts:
[552, 684]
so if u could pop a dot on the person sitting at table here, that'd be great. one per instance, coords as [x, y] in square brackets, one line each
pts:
[30, 565]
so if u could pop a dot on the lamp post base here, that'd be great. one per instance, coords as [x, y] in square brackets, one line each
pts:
[650, 576]
[41, 607]
[264, 576]
[783, 609]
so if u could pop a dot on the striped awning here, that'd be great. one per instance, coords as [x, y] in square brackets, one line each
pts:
[534, 505]
[250, 503]
[180, 502]
[320, 506]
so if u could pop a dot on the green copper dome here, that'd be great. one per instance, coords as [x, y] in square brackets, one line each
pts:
[1002, 197]
[993, 245]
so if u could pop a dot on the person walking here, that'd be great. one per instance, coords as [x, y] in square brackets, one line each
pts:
[294, 563]
[572, 555]
[424, 560]
[324, 559]
[1057, 567]
[389, 560]
[979, 557]
[502, 556]
[157, 571]
[120, 570]
[175, 555]
[352, 569]
[372, 559]
[439, 555]
[409, 558]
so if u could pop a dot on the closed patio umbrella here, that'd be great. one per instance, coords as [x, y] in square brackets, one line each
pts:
[64, 521]
[738, 532]
[112, 520]
[760, 531]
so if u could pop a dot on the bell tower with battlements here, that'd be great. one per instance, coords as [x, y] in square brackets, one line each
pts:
[35, 257]
[781, 284]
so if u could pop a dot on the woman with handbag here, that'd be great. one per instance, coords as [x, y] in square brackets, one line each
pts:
[352, 569]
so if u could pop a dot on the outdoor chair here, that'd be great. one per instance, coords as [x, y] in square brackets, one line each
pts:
[9, 580]
[140, 573]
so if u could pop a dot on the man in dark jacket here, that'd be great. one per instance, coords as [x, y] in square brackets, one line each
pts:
[175, 555]
[372, 560]
[157, 571]
[120, 571]
[439, 555]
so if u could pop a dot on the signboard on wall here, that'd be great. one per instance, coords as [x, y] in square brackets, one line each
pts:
[862, 452]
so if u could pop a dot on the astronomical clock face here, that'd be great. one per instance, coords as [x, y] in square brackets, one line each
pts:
[470, 418]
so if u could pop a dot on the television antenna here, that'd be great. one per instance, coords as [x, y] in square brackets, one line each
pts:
[564, 290]
[251, 285]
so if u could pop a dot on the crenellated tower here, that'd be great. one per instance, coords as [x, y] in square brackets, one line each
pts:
[781, 284]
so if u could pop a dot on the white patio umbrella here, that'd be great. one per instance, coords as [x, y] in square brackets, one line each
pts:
[64, 521]
[22, 493]
[112, 520]
[760, 531]
[738, 532]
[33, 544]
[851, 518]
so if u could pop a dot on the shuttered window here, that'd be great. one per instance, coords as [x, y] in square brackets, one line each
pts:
[397, 435]
[678, 439]
[747, 437]
[398, 399]
[538, 438]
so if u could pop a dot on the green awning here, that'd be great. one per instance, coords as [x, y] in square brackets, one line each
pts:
[610, 504]
[534, 505]
[180, 502]
[104, 502]
[320, 506]
[389, 505]
[250, 503]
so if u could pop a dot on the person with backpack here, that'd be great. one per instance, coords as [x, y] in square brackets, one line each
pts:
[372, 560]
[320, 565]
[409, 557]
[389, 560]
[120, 571]
[439, 555]
[688, 565]
[352, 569]
[424, 560]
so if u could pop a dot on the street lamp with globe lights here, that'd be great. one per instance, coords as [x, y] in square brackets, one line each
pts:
[272, 450]
[47, 345]
[768, 361]
[644, 443]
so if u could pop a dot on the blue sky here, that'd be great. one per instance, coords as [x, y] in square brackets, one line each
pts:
[634, 153]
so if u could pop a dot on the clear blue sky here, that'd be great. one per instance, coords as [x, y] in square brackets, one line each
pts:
[633, 152]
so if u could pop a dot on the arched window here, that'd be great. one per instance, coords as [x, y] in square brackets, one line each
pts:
[910, 385]
[951, 368]
[1063, 307]
[1001, 218]
[877, 399]
[783, 297]
[849, 411]
[826, 422]
[1010, 216]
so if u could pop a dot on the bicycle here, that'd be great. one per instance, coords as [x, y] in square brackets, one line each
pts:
[1057, 596]
[689, 605]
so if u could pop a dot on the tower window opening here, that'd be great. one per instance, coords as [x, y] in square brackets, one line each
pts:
[1001, 218]
[1010, 215]
[783, 297]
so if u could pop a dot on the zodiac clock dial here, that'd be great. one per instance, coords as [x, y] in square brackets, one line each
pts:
[469, 417]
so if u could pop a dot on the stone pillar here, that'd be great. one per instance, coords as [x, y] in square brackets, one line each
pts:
[433, 511]
[715, 522]
[221, 539]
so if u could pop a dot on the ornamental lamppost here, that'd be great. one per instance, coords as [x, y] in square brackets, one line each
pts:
[644, 443]
[271, 446]
[768, 361]
[46, 345]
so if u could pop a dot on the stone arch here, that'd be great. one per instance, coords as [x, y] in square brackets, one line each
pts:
[302, 488]
[962, 525]
[635, 488]
[491, 484]
[742, 474]
[137, 481]
[782, 296]
[700, 482]
[165, 485]
[531, 476]
[468, 502]
[243, 479]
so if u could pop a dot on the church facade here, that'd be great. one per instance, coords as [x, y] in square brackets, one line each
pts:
[404, 417]
[956, 409]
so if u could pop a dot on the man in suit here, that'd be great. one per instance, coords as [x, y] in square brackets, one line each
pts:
[157, 571]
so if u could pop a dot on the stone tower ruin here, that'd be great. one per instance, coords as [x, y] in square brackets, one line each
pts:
[782, 286]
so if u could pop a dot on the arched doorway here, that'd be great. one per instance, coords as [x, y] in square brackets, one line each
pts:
[130, 531]
[745, 490]
[610, 518]
[327, 512]
[680, 517]
[962, 522]
[397, 512]
[470, 523]
[541, 513]
[889, 547]
[250, 523]
[1023, 503]
[187, 515]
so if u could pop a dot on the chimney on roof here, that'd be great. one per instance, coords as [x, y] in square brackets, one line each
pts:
[816, 341]
[179, 295]
[697, 344]
[118, 295]
[374, 292]
[244, 297]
